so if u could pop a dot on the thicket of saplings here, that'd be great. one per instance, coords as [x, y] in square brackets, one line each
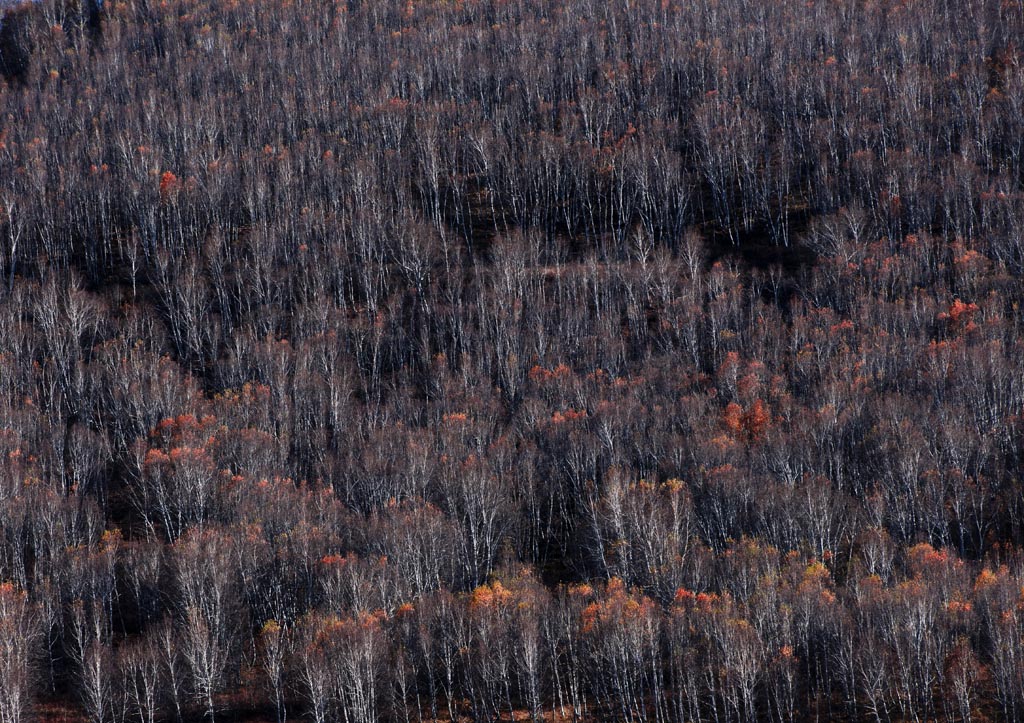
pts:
[403, 362]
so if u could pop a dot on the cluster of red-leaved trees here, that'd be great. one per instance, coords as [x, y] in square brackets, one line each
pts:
[378, 362]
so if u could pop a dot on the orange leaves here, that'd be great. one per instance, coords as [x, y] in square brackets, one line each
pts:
[581, 591]
[569, 415]
[683, 597]
[815, 586]
[686, 601]
[188, 455]
[926, 561]
[110, 540]
[816, 575]
[455, 418]
[706, 601]
[490, 595]
[986, 579]
[732, 418]
[843, 326]
[182, 440]
[756, 419]
[960, 316]
[249, 394]
[334, 560]
[589, 617]
[618, 607]
[178, 458]
[332, 633]
[169, 185]
[749, 424]
[9, 592]
[186, 430]
[519, 594]
[155, 457]
[959, 608]
[541, 375]
[972, 258]
[728, 371]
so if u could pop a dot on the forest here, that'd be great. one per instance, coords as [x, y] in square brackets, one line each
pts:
[479, 361]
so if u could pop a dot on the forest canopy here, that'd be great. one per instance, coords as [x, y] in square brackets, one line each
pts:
[443, 360]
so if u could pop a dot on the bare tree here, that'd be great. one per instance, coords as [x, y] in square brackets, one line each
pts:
[19, 632]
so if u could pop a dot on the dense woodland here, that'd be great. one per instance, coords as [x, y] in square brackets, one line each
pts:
[652, 361]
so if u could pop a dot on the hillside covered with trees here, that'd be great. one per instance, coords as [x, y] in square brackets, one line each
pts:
[650, 361]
